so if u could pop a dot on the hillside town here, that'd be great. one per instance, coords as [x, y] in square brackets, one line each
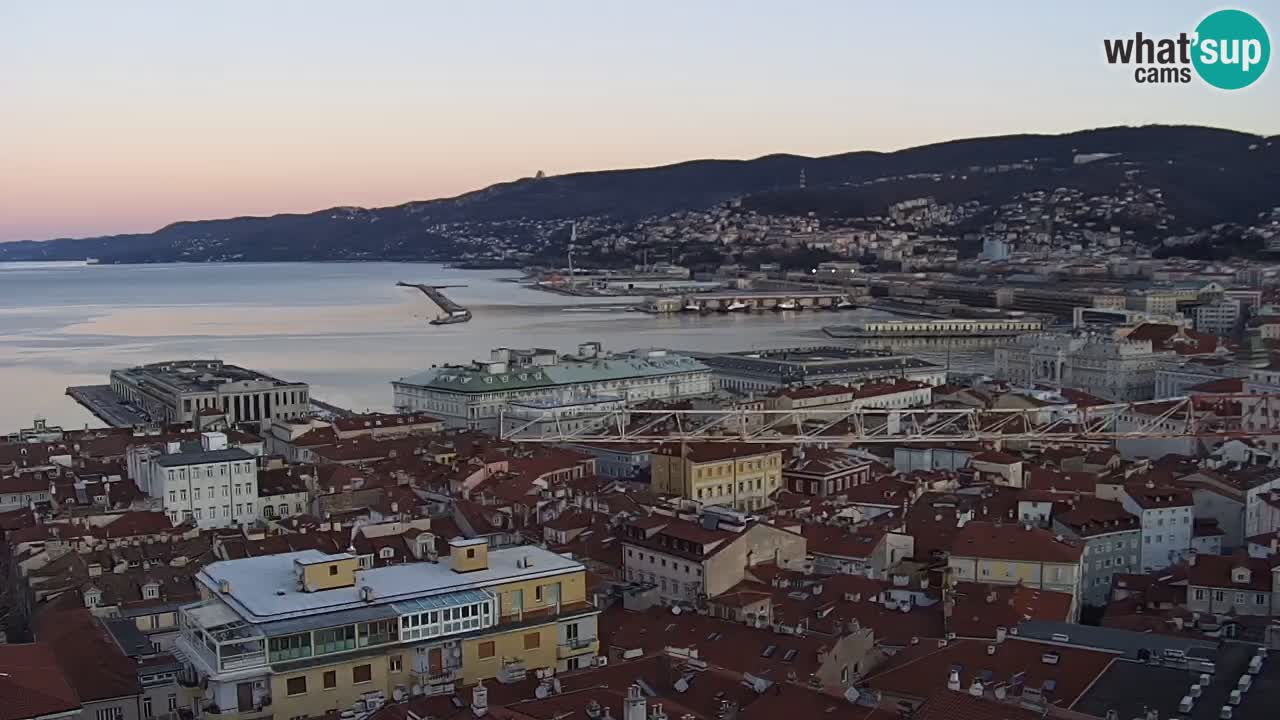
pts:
[1091, 529]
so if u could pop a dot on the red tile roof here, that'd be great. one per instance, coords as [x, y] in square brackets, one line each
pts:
[1013, 542]
[922, 671]
[92, 662]
[32, 683]
[1216, 571]
[1089, 516]
[979, 609]
[960, 705]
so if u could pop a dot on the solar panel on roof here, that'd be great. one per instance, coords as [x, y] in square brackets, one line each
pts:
[790, 655]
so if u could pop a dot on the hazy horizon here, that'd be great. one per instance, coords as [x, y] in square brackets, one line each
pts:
[124, 119]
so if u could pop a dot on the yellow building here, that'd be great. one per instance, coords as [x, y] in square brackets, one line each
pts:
[736, 475]
[300, 634]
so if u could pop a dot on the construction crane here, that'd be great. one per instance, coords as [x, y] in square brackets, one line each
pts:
[1219, 417]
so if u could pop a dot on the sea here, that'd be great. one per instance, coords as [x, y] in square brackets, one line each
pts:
[345, 328]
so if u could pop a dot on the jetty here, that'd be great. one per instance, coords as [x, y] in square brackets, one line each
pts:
[451, 312]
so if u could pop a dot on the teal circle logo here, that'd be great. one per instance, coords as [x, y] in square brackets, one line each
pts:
[1232, 49]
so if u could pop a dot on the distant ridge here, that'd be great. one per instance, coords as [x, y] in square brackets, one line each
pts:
[1208, 176]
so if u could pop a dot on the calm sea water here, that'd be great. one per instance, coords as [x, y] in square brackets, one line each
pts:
[345, 328]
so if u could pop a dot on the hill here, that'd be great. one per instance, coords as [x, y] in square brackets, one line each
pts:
[1208, 175]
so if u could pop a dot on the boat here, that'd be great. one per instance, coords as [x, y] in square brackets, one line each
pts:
[846, 304]
[91, 261]
[737, 306]
[787, 304]
[457, 316]
[692, 306]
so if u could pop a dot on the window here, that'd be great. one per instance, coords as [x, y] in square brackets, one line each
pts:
[361, 674]
[1260, 599]
[335, 639]
[395, 664]
[146, 707]
[1219, 595]
[330, 679]
[333, 570]
[173, 702]
[289, 647]
[296, 685]
[532, 641]
[486, 649]
[111, 713]
[1200, 594]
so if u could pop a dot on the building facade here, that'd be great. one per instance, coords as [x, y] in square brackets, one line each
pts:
[301, 634]
[740, 476]
[213, 486]
[476, 396]
[1165, 515]
[1111, 537]
[1011, 554]
[179, 391]
[1110, 368]
[763, 371]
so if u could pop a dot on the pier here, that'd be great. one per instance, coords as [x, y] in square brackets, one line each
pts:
[748, 301]
[103, 403]
[451, 311]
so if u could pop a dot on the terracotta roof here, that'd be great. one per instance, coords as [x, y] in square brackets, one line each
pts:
[1221, 386]
[1089, 516]
[995, 457]
[1216, 571]
[137, 523]
[1159, 496]
[716, 452]
[922, 671]
[1012, 542]
[93, 663]
[32, 683]
[960, 705]
[979, 609]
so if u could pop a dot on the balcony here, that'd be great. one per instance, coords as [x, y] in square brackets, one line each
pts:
[574, 647]
[439, 676]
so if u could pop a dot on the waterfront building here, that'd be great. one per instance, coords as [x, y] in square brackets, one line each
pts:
[477, 395]
[210, 484]
[305, 633]
[769, 370]
[180, 391]
[925, 328]
[737, 475]
[1106, 367]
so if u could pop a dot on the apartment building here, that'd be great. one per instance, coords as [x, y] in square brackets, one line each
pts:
[688, 562]
[1233, 585]
[179, 391]
[1009, 554]
[824, 473]
[738, 475]
[1111, 537]
[211, 484]
[302, 634]
[1165, 515]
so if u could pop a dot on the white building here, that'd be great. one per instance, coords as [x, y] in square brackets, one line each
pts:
[1166, 520]
[1221, 317]
[213, 486]
[477, 395]
[1106, 367]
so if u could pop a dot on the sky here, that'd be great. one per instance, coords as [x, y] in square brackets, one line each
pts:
[125, 116]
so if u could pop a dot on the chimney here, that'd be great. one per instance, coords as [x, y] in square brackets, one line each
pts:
[635, 707]
[480, 699]
[953, 680]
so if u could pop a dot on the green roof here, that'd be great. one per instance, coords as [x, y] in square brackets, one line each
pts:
[618, 367]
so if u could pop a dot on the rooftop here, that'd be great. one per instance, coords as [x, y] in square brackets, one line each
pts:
[32, 683]
[491, 377]
[203, 457]
[1012, 542]
[264, 588]
[195, 376]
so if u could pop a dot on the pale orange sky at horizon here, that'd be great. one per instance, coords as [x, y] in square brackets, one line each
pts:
[124, 118]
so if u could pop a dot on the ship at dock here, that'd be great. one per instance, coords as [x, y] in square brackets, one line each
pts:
[451, 313]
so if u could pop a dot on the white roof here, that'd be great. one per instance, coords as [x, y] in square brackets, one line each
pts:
[265, 588]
